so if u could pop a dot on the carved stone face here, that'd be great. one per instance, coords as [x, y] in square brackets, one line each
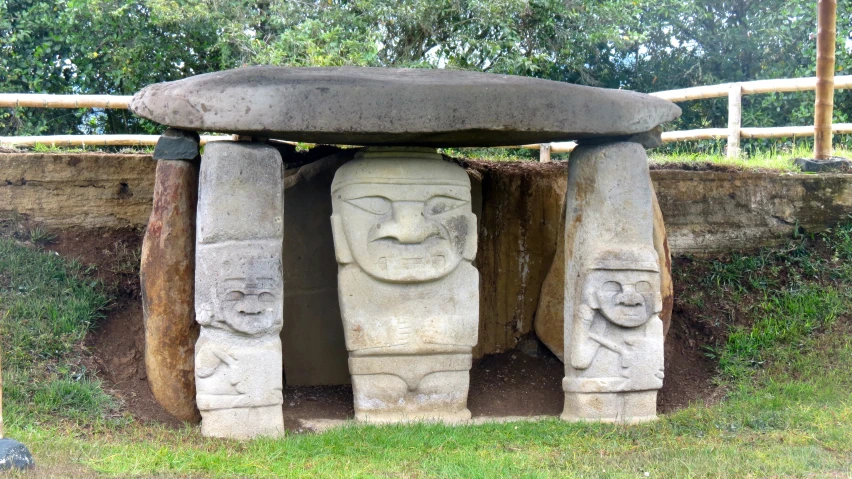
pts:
[624, 297]
[246, 290]
[407, 224]
[249, 304]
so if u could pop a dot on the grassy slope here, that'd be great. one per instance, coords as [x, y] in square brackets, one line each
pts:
[764, 159]
[787, 367]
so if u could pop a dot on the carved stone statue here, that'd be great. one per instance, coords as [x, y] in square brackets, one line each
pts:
[405, 238]
[616, 353]
[613, 332]
[239, 292]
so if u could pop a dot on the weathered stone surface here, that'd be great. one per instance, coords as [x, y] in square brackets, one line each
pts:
[405, 237]
[177, 144]
[239, 292]
[14, 455]
[312, 337]
[613, 334]
[710, 212]
[383, 106]
[828, 165]
[91, 190]
[240, 187]
[167, 276]
[550, 314]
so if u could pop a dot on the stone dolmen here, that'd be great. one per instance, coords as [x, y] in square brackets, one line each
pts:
[405, 239]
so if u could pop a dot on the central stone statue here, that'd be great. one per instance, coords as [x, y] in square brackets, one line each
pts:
[405, 237]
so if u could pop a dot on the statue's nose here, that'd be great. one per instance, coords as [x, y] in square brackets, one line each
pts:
[629, 297]
[407, 225]
[250, 305]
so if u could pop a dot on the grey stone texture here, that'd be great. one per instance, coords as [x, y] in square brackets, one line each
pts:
[384, 106]
[405, 237]
[241, 197]
[239, 292]
[809, 165]
[14, 455]
[613, 331]
[177, 144]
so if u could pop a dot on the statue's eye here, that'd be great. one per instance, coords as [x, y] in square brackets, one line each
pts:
[234, 296]
[643, 287]
[376, 205]
[437, 205]
[611, 287]
[266, 297]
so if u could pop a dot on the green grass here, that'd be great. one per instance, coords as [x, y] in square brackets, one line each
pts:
[770, 159]
[791, 420]
[786, 368]
[45, 148]
[47, 305]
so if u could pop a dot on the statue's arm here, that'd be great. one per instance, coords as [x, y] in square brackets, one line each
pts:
[583, 347]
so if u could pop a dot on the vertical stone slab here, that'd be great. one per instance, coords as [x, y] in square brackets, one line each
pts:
[613, 331]
[405, 237]
[239, 291]
[167, 276]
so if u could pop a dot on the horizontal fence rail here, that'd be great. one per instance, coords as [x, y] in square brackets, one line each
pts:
[734, 132]
[96, 140]
[38, 100]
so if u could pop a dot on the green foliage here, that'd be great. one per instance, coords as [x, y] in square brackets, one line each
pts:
[46, 307]
[119, 46]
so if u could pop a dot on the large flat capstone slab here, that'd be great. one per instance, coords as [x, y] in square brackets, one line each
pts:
[411, 107]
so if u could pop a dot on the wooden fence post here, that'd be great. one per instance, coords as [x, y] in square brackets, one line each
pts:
[735, 118]
[824, 103]
[544, 153]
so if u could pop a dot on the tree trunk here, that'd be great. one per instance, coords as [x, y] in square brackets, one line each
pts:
[824, 106]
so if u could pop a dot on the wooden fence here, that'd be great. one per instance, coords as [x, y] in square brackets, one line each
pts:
[734, 132]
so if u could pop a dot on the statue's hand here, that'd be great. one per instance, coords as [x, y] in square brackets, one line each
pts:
[204, 314]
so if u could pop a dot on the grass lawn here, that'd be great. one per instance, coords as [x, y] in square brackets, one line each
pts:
[781, 160]
[785, 366]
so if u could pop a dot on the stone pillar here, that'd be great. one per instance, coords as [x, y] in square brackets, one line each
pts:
[404, 238]
[239, 291]
[167, 276]
[613, 331]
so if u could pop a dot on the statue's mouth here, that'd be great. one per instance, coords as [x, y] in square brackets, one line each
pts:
[411, 263]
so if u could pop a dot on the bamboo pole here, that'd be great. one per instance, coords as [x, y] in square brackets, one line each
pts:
[824, 104]
[735, 114]
[750, 88]
[95, 140]
[38, 100]
[702, 134]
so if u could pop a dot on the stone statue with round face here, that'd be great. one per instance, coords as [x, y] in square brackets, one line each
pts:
[239, 308]
[405, 237]
[615, 365]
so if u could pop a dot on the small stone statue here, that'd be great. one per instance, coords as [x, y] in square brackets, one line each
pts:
[236, 389]
[405, 238]
[613, 331]
[239, 292]
[616, 346]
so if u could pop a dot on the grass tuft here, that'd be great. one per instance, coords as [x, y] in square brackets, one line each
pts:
[47, 305]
